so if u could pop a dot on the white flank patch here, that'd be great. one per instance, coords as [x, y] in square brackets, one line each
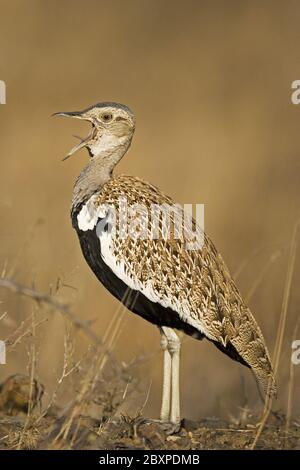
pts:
[89, 214]
[123, 272]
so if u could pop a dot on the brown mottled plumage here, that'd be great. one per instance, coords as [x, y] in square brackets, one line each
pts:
[158, 278]
[199, 278]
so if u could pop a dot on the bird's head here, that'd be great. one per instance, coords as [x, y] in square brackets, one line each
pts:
[113, 126]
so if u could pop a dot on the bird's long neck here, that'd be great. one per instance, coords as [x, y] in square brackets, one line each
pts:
[97, 172]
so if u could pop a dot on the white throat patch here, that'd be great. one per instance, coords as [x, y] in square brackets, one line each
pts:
[107, 143]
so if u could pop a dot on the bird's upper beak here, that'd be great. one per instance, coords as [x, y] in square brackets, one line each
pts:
[83, 142]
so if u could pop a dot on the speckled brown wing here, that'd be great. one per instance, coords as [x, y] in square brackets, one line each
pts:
[194, 283]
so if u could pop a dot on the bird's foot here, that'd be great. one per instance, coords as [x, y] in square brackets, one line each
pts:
[166, 426]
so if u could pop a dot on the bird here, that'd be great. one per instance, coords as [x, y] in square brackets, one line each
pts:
[157, 278]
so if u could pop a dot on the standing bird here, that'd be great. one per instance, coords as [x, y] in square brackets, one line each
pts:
[157, 278]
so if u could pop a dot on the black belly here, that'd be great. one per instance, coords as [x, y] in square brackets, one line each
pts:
[134, 300]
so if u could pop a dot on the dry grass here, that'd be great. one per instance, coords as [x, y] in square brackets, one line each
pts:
[93, 417]
[280, 335]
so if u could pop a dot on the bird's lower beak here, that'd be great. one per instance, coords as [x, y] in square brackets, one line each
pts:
[83, 142]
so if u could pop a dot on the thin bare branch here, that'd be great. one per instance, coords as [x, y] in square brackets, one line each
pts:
[39, 297]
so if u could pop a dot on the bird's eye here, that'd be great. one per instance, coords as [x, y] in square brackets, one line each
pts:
[106, 117]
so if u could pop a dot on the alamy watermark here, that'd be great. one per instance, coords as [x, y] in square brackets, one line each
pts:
[295, 96]
[149, 221]
[2, 352]
[296, 352]
[2, 101]
[2, 92]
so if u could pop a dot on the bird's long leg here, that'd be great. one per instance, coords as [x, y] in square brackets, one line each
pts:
[174, 350]
[166, 389]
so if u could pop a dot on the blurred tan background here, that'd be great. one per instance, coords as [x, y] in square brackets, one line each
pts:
[210, 83]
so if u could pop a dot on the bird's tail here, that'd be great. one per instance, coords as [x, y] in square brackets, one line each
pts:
[251, 346]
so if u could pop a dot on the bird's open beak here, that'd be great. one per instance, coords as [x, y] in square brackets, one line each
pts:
[83, 142]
